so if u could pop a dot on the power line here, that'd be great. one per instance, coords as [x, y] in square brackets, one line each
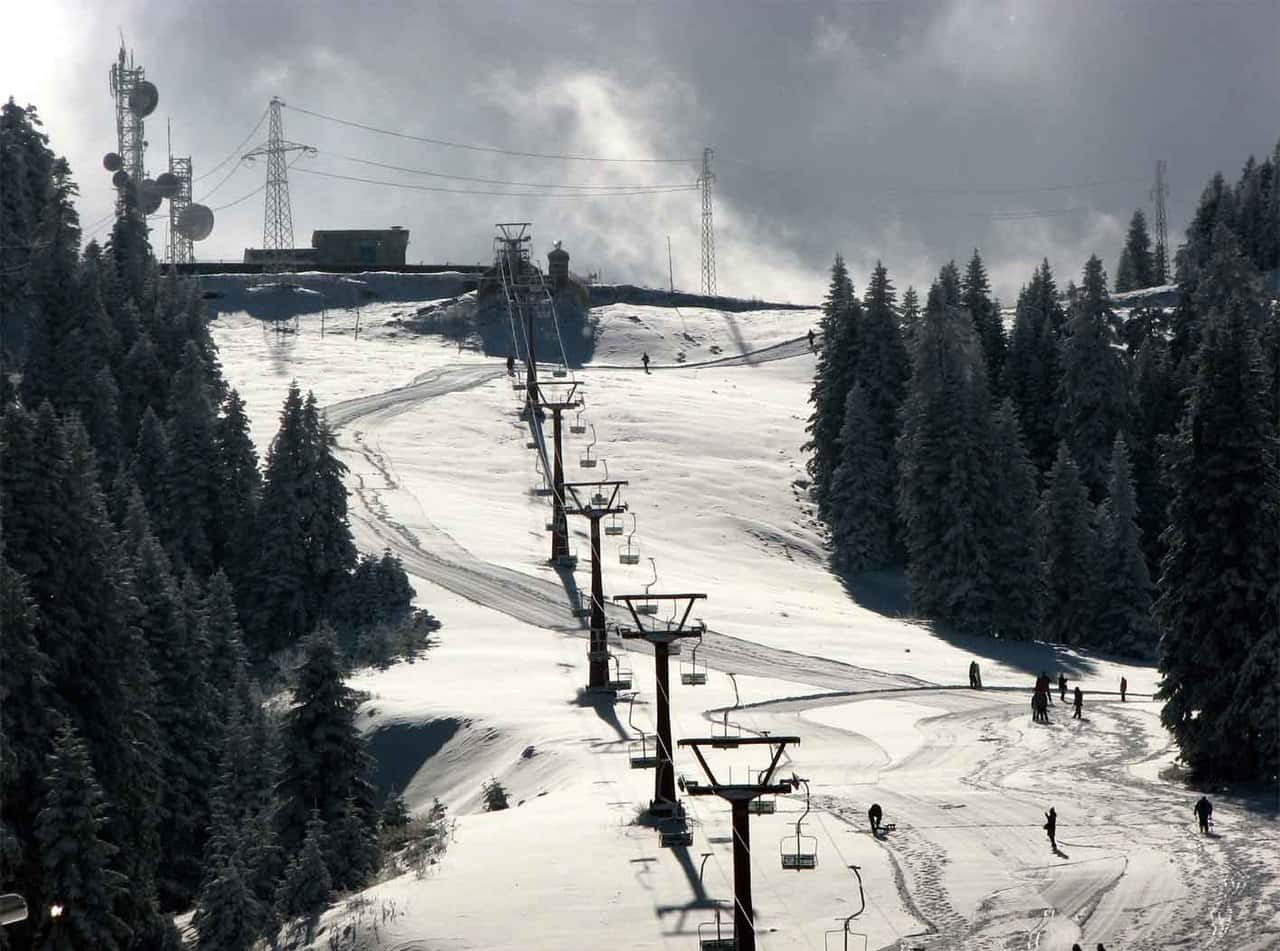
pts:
[621, 193]
[481, 148]
[496, 181]
[235, 153]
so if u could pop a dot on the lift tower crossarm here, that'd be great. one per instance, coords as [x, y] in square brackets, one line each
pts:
[738, 795]
[664, 779]
[597, 645]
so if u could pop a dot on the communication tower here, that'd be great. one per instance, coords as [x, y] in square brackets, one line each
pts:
[180, 245]
[135, 98]
[708, 230]
[1158, 193]
[277, 224]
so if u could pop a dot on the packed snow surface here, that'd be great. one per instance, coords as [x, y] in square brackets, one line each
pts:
[709, 442]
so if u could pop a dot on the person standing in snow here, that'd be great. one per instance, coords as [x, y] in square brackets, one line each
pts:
[1079, 702]
[1051, 827]
[874, 815]
[511, 365]
[1124, 687]
[645, 360]
[1204, 812]
[812, 345]
[1062, 687]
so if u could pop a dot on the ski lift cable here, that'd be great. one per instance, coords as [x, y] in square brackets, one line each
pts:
[430, 173]
[445, 143]
[620, 193]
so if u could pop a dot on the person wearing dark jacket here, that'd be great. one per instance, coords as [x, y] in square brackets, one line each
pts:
[1062, 687]
[1124, 687]
[1079, 702]
[875, 814]
[1051, 827]
[511, 365]
[644, 358]
[1204, 812]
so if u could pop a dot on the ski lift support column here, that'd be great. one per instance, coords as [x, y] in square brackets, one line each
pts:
[662, 634]
[515, 241]
[557, 404]
[608, 504]
[738, 795]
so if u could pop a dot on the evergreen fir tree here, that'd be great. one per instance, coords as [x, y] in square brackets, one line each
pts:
[1137, 250]
[910, 318]
[149, 465]
[1033, 365]
[985, 313]
[1157, 407]
[332, 553]
[862, 491]
[1067, 554]
[1217, 593]
[945, 481]
[1125, 281]
[352, 851]
[1093, 390]
[143, 385]
[1124, 616]
[1015, 541]
[324, 759]
[833, 376]
[230, 916]
[241, 490]
[192, 489]
[76, 857]
[307, 888]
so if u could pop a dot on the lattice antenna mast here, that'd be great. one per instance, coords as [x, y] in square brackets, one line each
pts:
[1158, 193]
[277, 222]
[708, 229]
[126, 77]
[180, 247]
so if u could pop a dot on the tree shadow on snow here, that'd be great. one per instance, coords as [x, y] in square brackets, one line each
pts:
[888, 593]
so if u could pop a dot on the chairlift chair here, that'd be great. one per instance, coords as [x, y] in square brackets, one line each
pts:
[800, 851]
[675, 836]
[649, 606]
[692, 672]
[763, 806]
[620, 678]
[613, 526]
[583, 608]
[560, 370]
[531, 444]
[842, 934]
[630, 555]
[588, 461]
[642, 752]
[517, 383]
[712, 936]
[578, 427]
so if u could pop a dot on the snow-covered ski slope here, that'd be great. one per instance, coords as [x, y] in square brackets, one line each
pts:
[440, 473]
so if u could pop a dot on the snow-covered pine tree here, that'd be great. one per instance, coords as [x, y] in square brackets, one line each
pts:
[1124, 621]
[910, 317]
[230, 916]
[1217, 594]
[1157, 407]
[324, 758]
[306, 888]
[1015, 532]
[945, 470]
[192, 489]
[75, 856]
[863, 513]
[1093, 396]
[831, 381]
[142, 385]
[985, 312]
[1032, 365]
[1137, 248]
[331, 551]
[352, 852]
[1124, 272]
[1068, 551]
[149, 464]
[240, 485]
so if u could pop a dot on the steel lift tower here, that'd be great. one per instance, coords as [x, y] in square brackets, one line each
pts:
[523, 284]
[1159, 191]
[662, 634]
[556, 405]
[277, 222]
[708, 229]
[739, 796]
[601, 499]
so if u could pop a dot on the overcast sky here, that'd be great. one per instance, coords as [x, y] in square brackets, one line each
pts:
[878, 130]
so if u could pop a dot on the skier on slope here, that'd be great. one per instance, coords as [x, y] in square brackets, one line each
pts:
[1204, 813]
[1051, 827]
[1079, 702]
[875, 814]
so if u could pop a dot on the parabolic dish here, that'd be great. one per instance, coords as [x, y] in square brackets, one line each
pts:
[112, 162]
[168, 183]
[195, 222]
[149, 197]
[144, 98]
[120, 178]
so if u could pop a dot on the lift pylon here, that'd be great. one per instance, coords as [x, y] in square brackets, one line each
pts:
[662, 636]
[602, 501]
[556, 402]
[738, 795]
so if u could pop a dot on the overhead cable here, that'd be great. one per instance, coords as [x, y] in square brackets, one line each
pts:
[618, 193]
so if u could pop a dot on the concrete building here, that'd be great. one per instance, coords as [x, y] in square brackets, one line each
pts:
[370, 248]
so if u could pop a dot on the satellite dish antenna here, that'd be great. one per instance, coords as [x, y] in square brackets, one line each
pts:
[195, 222]
[112, 162]
[120, 178]
[149, 197]
[168, 184]
[144, 98]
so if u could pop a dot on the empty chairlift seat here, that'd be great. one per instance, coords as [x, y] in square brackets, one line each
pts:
[799, 853]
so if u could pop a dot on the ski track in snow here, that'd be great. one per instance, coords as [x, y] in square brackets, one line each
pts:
[974, 791]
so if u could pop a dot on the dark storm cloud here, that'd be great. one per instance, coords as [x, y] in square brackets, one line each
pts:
[837, 127]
